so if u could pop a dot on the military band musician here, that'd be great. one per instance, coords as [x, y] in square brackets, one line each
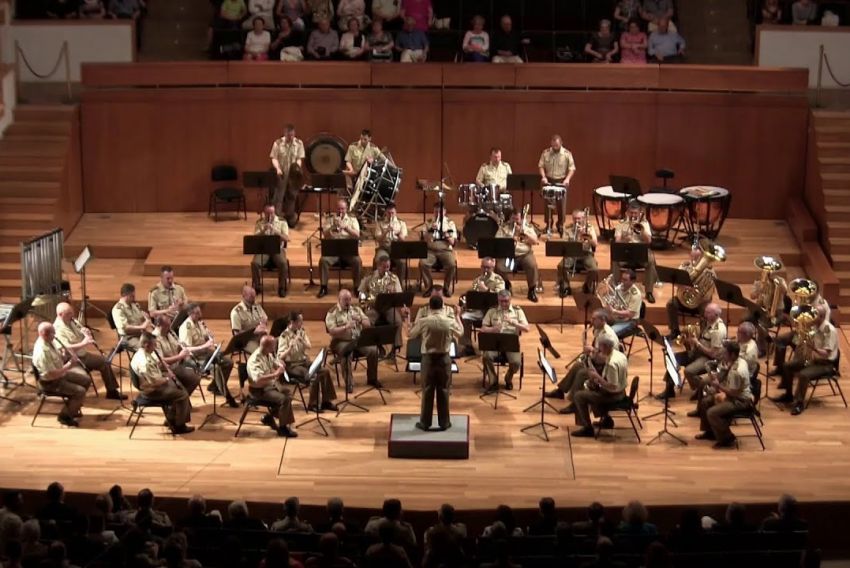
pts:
[504, 318]
[557, 167]
[728, 392]
[495, 171]
[345, 322]
[130, 321]
[525, 237]
[177, 356]
[487, 281]
[381, 281]
[293, 347]
[270, 224]
[266, 383]
[287, 157]
[60, 372]
[195, 335]
[441, 237]
[635, 229]
[389, 230]
[157, 382]
[581, 230]
[248, 314]
[341, 225]
[702, 344]
[607, 373]
[691, 300]
[167, 297]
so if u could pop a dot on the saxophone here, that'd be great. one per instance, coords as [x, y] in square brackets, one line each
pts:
[703, 280]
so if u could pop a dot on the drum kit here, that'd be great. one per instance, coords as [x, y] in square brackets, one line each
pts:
[487, 208]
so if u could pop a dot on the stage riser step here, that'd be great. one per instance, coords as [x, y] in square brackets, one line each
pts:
[29, 188]
[835, 168]
[839, 230]
[29, 149]
[40, 128]
[10, 273]
[34, 162]
[27, 205]
[30, 173]
[43, 113]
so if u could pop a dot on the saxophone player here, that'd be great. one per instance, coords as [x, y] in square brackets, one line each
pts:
[525, 237]
[582, 230]
[705, 280]
[265, 373]
[505, 318]
[607, 379]
[390, 229]
[635, 229]
[381, 281]
[130, 320]
[700, 348]
[577, 374]
[729, 393]
[271, 224]
[814, 357]
[197, 338]
[287, 156]
[292, 348]
[175, 355]
[441, 237]
[487, 281]
[344, 323]
[557, 167]
[248, 314]
[77, 338]
[624, 317]
[167, 297]
[340, 226]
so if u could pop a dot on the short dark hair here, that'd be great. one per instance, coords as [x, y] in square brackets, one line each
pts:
[254, 21]
[632, 274]
[494, 149]
[366, 132]
[732, 348]
[295, 314]
[288, 19]
[55, 491]
[127, 289]
[447, 513]
[391, 509]
[391, 204]
[435, 303]
[166, 268]
[144, 500]
[146, 337]
[291, 506]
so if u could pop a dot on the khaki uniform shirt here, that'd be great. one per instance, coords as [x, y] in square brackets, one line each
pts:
[496, 175]
[713, 335]
[633, 299]
[423, 311]
[493, 283]
[750, 354]
[826, 338]
[623, 233]
[69, 334]
[243, 318]
[522, 246]
[300, 343]
[449, 230]
[388, 231]
[338, 317]
[287, 153]
[169, 344]
[160, 297]
[260, 364]
[357, 154]
[337, 232]
[125, 314]
[738, 379]
[275, 227]
[556, 164]
[505, 320]
[192, 333]
[46, 357]
[146, 366]
[375, 284]
[616, 370]
[437, 332]
[605, 331]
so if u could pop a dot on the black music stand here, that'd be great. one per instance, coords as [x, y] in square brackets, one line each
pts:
[268, 245]
[522, 183]
[630, 254]
[496, 247]
[547, 372]
[340, 248]
[481, 301]
[672, 368]
[237, 345]
[501, 343]
[625, 184]
[212, 365]
[405, 250]
[181, 317]
[376, 335]
[318, 363]
[586, 303]
[322, 185]
[278, 326]
[731, 294]
[653, 336]
[261, 180]
[565, 250]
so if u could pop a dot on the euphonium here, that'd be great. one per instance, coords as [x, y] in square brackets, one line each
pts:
[804, 317]
[803, 291]
[703, 282]
[772, 289]
[609, 296]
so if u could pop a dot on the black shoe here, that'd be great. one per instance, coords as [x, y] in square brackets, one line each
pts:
[447, 292]
[705, 436]
[282, 292]
[570, 409]
[287, 432]
[509, 385]
[268, 420]
[323, 291]
[329, 406]
[213, 388]
[115, 395]
[231, 402]
[665, 395]
[797, 409]
[427, 293]
[445, 427]
[782, 399]
[532, 295]
[730, 443]
[68, 421]
[650, 298]
[586, 432]
[183, 429]
[563, 291]
[555, 393]
[693, 413]
[491, 389]
[607, 423]
[313, 409]
[422, 427]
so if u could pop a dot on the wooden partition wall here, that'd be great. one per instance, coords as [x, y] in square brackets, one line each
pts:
[151, 133]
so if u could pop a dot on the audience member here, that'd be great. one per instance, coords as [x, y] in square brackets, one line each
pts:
[336, 516]
[506, 521]
[348, 9]
[506, 43]
[501, 548]
[55, 509]
[735, 520]
[380, 42]
[687, 535]
[386, 553]
[657, 556]
[605, 555]
[476, 42]
[174, 552]
[263, 9]
[198, 518]
[10, 531]
[389, 11]
[625, 12]
[421, 11]
[120, 503]
[277, 556]
[231, 554]
[13, 505]
[295, 10]
[329, 556]
[324, 42]
[547, 518]
[92, 9]
[633, 44]
[291, 522]
[596, 524]
[804, 12]
[602, 46]
[320, 10]
[62, 9]
[666, 45]
[445, 521]
[786, 518]
[12, 555]
[412, 43]
[392, 514]
[33, 551]
[444, 549]
[126, 9]
[353, 44]
[57, 556]
[653, 11]
[238, 518]
[635, 518]
[257, 42]
[771, 12]
[231, 14]
[289, 42]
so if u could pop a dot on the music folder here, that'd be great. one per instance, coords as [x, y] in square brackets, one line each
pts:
[631, 254]
[263, 179]
[261, 244]
[496, 247]
[238, 342]
[377, 335]
[565, 249]
[403, 250]
[393, 300]
[339, 247]
[729, 292]
[481, 301]
[499, 342]
[325, 183]
[523, 182]
[546, 367]
[675, 276]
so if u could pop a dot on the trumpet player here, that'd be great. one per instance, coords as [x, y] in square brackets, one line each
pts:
[293, 347]
[635, 229]
[557, 167]
[266, 384]
[577, 373]
[77, 338]
[175, 355]
[340, 226]
[60, 373]
[287, 157]
[525, 237]
[344, 323]
[195, 335]
[441, 237]
[271, 224]
[487, 281]
[381, 281]
[606, 384]
[624, 316]
[130, 321]
[495, 171]
[704, 280]
[387, 231]
[814, 357]
[248, 314]
[506, 318]
[158, 382]
[729, 392]
[167, 297]
[700, 348]
[582, 230]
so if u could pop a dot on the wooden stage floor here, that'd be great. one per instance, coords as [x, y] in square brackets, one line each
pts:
[806, 455]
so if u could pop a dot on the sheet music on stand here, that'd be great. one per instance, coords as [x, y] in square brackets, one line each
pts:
[209, 363]
[546, 367]
[670, 363]
[82, 260]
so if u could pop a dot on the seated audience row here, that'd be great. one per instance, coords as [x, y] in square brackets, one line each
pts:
[800, 12]
[93, 9]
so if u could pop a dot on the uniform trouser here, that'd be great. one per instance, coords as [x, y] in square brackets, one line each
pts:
[177, 413]
[514, 361]
[321, 382]
[674, 307]
[650, 274]
[528, 264]
[223, 367]
[590, 266]
[353, 262]
[285, 199]
[585, 400]
[805, 374]
[782, 343]
[345, 348]
[262, 260]
[186, 376]
[715, 416]
[469, 319]
[573, 381]
[449, 262]
[436, 370]
[97, 362]
[74, 385]
[390, 316]
[279, 397]
[694, 368]
[560, 208]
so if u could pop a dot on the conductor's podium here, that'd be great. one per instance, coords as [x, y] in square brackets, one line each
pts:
[407, 441]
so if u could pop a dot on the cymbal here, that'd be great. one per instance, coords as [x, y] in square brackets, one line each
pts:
[429, 185]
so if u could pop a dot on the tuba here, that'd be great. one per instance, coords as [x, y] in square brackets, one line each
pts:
[804, 318]
[772, 289]
[803, 291]
[703, 282]
[609, 296]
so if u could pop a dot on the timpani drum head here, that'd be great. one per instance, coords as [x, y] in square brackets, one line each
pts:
[711, 203]
[613, 203]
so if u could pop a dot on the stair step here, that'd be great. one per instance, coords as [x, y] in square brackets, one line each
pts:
[836, 197]
[838, 229]
[31, 173]
[10, 288]
[44, 113]
[10, 236]
[31, 161]
[10, 253]
[841, 262]
[28, 188]
[34, 221]
[46, 150]
[831, 114]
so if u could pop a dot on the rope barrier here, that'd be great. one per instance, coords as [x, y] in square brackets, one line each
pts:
[831, 74]
[63, 53]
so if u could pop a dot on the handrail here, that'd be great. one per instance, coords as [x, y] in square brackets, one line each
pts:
[823, 61]
[64, 55]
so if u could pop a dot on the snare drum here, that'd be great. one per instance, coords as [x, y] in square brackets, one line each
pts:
[663, 211]
[707, 208]
[609, 207]
[553, 193]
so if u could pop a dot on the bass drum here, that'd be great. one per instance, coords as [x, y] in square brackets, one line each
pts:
[376, 187]
[325, 154]
[477, 227]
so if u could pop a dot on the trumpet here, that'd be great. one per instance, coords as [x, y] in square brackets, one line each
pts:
[333, 222]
